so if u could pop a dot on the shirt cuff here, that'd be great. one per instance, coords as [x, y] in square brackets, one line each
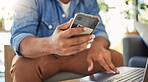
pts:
[17, 40]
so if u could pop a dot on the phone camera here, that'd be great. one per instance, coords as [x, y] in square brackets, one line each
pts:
[79, 18]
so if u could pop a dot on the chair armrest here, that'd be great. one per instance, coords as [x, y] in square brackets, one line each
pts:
[133, 45]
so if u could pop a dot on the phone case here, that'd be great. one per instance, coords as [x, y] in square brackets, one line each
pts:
[85, 20]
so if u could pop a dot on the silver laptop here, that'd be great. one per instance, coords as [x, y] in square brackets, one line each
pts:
[127, 74]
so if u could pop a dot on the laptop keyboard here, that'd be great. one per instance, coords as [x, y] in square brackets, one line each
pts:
[129, 76]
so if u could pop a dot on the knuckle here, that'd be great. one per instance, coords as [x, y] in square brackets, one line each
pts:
[102, 63]
[108, 53]
[62, 44]
[82, 48]
[59, 37]
[80, 29]
[63, 51]
[105, 66]
[78, 49]
[77, 40]
[99, 59]
[109, 62]
[89, 60]
[69, 31]
[114, 68]
[58, 26]
[86, 44]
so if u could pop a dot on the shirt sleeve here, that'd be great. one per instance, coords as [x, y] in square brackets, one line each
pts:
[25, 22]
[93, 9]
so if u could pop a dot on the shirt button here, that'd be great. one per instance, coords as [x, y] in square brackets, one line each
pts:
[63, 15]
[50, 26]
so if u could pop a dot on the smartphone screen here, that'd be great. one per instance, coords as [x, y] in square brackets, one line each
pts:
[85, 20]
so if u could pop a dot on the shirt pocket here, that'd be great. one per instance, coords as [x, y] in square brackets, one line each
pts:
[50, 24]
[47, 27]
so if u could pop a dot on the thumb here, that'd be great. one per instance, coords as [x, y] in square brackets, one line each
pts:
[65, 25]
[90, 62]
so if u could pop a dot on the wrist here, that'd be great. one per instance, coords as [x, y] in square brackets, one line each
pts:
[101, 42]
[47, 45]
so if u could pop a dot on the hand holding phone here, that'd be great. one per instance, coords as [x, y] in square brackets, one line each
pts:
[85, 20]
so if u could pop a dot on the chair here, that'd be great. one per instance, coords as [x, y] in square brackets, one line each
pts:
[135, 51]
[9, 54]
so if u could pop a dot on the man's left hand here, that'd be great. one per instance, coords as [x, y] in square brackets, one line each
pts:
[102, 55]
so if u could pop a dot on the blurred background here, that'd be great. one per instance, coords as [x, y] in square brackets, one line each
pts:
[117, 15]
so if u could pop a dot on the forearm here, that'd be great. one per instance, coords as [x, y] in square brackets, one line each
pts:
[33, 47]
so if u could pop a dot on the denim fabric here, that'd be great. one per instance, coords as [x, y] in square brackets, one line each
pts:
[41, 17]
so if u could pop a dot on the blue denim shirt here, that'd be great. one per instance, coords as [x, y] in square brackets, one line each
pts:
[41, 17]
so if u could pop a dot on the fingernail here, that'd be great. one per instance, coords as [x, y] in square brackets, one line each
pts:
[85, 28]
[117, 72]
[112, 72]
[88, 68]
[92, 36]
[91, 40]
[69, 20]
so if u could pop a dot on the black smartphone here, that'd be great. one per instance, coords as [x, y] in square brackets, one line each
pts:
[85, 20]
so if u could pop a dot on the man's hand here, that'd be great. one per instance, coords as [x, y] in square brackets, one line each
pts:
[100, 54]
[63, 44]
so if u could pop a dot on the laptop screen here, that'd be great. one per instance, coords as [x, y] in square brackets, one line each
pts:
[146, 73]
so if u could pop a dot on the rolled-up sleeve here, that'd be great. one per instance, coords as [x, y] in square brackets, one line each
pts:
[93, 9]
[25, 22]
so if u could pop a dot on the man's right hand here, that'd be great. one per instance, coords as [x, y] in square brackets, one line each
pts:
[63, 44]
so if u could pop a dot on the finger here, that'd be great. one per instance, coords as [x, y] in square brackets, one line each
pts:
[90, 63]
[76, 48]
[81, 39]
[109, 62]
[65, 25]
[104, 64]
[73, 31]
